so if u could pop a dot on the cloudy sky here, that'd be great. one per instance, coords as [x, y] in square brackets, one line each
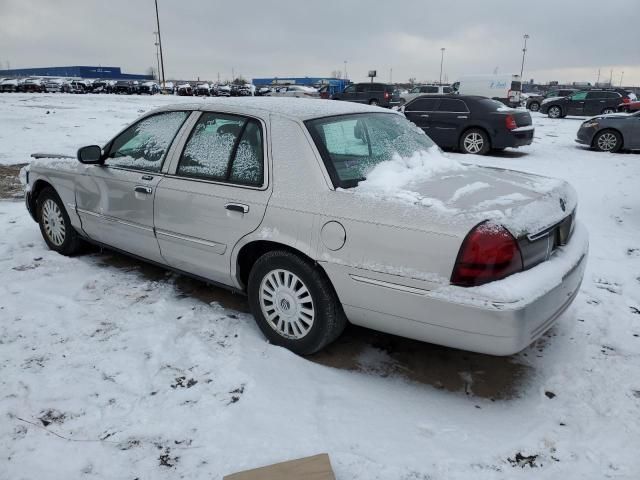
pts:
[570, 40]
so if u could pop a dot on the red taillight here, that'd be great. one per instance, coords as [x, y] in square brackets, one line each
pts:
[488, 253]
[386, 95]
[626, 100]
[510, 122]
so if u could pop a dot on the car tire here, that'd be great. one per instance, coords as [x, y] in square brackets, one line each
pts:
[294, 304]
[534, 106]
[475, 142]
[55, 225]
[607, 141]
[373, 102]
[554, 111]
[608, 110]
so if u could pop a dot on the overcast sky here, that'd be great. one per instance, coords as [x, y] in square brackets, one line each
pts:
[570, 40]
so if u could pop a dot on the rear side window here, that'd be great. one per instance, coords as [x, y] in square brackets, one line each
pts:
[447, 90]
[611, 95]
[225, 148]
[422, 105]
[429, 89]
[452, 105]
[362, 88]
[144, 145]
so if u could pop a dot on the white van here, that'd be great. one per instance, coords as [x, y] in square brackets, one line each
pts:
[505, 88]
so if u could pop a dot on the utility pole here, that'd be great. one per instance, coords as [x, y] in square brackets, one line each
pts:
[345, 70]
[441, 63]
[621, 75]
[391, 75]
[157, 53]
[524, 52]
[160, 45]
[598, 80]
[611, 78]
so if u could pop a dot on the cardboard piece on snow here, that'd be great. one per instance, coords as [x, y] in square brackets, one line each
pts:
[317, 467]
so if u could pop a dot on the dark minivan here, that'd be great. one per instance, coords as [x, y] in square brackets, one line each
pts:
[471, 124]
[585, 102]
[382, 94]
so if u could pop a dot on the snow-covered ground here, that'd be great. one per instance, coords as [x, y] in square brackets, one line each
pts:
[109, 369]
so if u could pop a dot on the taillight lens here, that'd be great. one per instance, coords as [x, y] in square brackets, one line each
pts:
[626, 100]
[488, 253]
[386, 95]
[510, 122]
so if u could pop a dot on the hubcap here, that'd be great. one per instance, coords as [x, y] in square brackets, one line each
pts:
[473, 142]
[534, 107]
[554, 112]
[53, 222]
[286, 304]
[607, 141]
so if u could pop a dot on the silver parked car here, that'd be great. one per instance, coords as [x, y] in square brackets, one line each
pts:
[293, 202]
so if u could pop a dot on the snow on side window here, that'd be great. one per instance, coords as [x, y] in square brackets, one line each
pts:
[144, 145]
[248, 162]
[209, 149]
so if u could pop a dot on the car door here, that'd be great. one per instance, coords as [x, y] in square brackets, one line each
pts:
[594, 103]
[419, 111]
[215, 193]
[115, 199]
[348, 93]
[448, 121]
[632, 134]
[575, 104]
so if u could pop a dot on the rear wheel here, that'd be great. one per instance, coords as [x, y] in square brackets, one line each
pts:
[373, 102]
[475, 141]
[554, 112]
[534, 106]
[608, 110]
[293, 303]
[55, 224]
[608, 141]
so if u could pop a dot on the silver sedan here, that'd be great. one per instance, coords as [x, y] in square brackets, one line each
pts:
[325, 212]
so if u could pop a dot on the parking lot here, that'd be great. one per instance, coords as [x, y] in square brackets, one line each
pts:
[134, 369]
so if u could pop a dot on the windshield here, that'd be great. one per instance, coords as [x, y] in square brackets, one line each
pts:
[352, 145]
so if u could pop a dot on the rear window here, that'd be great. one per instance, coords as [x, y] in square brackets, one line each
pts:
[429, 89]
[452, 105]
[492, 105]
[352, 145]
[447, 89]
[516, 86]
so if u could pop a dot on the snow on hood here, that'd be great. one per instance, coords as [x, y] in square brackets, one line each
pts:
[522, 202]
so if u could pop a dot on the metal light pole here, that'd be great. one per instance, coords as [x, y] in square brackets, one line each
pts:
[345, 70]
[524, 52]
[441, 63]
[157, 53]
[160, 46]
[621, 75]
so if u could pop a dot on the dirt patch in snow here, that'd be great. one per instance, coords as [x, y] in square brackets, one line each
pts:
[10, 186]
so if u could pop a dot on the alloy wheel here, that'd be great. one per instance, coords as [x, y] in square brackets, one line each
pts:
[53, 222]
[555, 112]
[473, 142]
[607, 111]
[286, 304]
[534, 107]
[607, 142]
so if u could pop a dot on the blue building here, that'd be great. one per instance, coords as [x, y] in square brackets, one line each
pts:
[336, 85]
[111, 73]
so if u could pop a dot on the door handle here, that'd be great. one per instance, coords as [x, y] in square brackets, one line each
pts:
[143, 189]
[462, 116]
[425, 116]
[147, 177]
[237, 207]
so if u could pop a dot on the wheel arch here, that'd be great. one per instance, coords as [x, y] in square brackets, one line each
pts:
[37, 188]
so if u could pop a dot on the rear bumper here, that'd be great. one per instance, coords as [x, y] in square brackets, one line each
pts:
[514, 138]
[469, 319]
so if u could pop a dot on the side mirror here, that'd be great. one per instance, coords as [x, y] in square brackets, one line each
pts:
[90, 155]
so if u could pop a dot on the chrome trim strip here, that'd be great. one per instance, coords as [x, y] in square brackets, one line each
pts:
[393, 286]
[107, 218]
[199, 241]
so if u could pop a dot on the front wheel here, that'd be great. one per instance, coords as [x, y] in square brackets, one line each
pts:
[55, 224]
[475, 141]
[608, 141]
[554, 112]
[293, 303]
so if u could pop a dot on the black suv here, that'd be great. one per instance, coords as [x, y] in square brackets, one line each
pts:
[382, 94]
[469, 123]
[534, 101]
[585, 102]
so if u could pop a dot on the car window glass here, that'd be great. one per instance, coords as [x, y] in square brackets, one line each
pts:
[553, 93]
[361, 88]
[248, 162]
[447, 90]
[144, 145]
[350, 89]
[422, 105]
[429, 89]
[452, 105]
[611, 95]
[208, 151]
[579, 96]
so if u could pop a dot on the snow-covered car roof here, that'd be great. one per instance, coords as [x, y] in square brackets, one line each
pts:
[298, 108]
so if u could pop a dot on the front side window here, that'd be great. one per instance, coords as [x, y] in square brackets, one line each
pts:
[144, 145]
[352, 145]
[447, 90]
[452, 105]
[225, 148]
[429, 89]
[579, 96]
